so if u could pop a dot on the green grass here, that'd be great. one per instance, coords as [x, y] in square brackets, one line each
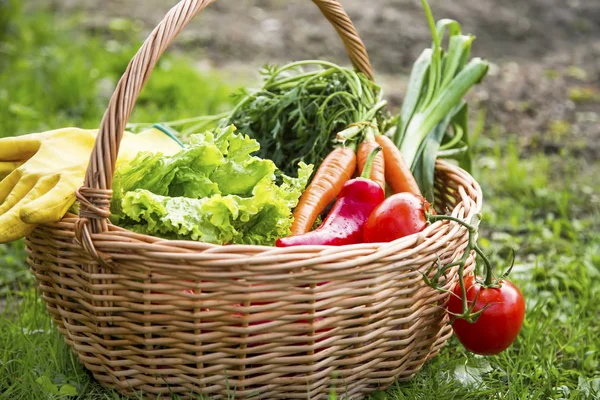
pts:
[53, 74]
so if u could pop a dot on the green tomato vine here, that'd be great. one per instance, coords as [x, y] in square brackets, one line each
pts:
[441, 270]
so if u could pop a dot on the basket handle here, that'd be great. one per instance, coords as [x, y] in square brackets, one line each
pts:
[94, 196]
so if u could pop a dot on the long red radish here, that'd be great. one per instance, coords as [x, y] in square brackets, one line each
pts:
[335, 170]
[378, 169]
[397, 172]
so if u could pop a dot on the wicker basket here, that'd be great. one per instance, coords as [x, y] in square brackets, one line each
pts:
[164, 317]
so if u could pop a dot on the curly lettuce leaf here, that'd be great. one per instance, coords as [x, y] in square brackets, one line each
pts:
[213, 191]
[187, 173]
[241, 171]
[261, 218]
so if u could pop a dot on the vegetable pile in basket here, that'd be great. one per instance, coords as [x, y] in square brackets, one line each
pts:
[320, 114]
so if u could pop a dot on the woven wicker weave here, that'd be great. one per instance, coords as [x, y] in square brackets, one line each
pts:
[187, 318]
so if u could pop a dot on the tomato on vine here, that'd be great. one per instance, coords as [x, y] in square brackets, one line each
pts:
[502, 311]
[487, 312]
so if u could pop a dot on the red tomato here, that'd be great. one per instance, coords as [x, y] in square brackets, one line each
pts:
[399, 215]
[498, 325]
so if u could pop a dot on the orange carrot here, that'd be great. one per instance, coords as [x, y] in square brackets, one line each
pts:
[378, 169]
[397, 173]
[335, 170]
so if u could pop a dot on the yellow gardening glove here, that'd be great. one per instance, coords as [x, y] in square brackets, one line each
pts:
[7, 167]
[41, 171]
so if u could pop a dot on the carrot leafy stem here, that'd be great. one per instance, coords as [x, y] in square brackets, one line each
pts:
[305, 108]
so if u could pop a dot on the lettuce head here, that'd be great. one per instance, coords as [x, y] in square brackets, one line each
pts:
[214, 190]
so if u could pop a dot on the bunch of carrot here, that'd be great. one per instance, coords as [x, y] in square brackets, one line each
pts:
[339, 167]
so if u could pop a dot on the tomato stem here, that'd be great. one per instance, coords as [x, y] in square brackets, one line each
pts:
[472, 245]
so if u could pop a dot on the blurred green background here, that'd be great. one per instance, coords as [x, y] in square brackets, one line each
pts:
[536, 116]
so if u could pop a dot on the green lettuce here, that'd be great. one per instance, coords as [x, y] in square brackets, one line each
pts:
[213, 191]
